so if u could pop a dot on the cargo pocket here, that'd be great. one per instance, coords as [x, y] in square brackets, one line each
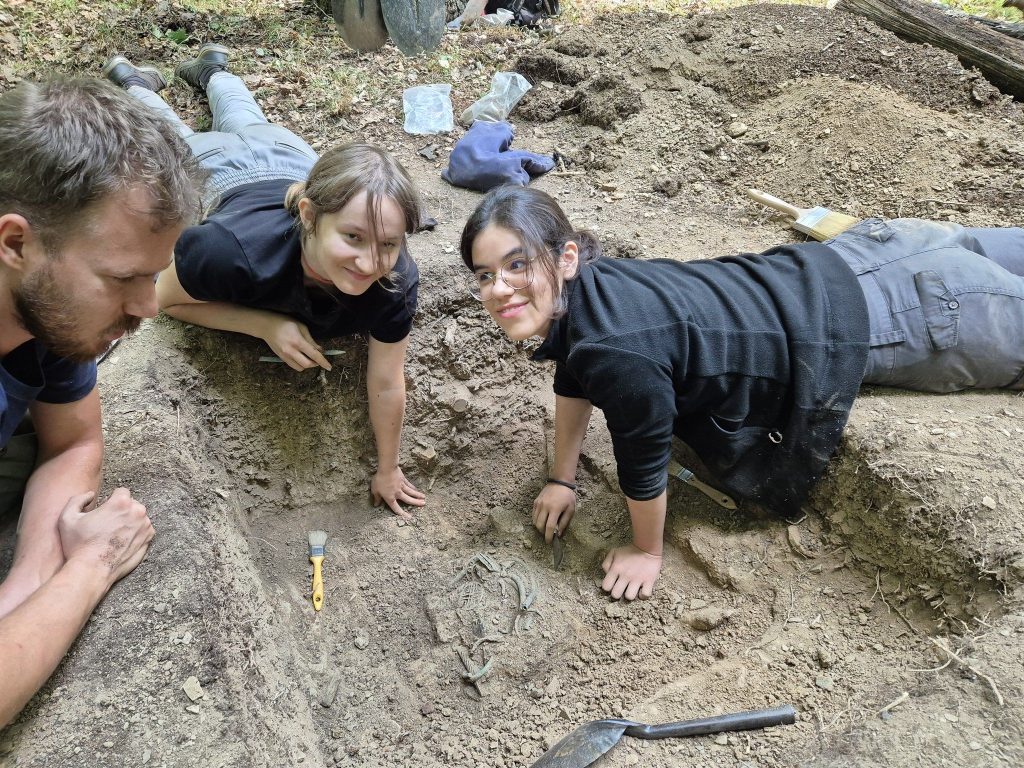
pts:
[204, 156]
[941, 309]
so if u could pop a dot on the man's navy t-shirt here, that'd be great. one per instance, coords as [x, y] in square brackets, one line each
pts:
[247, 252]
[30, 373]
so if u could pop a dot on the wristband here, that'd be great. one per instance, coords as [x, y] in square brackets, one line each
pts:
[563, 483]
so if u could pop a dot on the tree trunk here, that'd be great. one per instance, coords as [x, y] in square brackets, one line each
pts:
[999, 57]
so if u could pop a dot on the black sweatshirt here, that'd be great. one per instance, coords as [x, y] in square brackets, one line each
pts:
[753, 360]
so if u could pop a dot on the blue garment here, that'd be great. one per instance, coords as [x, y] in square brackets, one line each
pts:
[482, 160]
[30, 373]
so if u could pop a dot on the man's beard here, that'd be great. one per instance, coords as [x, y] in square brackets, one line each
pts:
[47, 311]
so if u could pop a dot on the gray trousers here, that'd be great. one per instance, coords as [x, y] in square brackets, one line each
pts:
[243, 146]
[945, 303]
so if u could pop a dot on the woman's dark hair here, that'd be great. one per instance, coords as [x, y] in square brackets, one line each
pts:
[540, 224]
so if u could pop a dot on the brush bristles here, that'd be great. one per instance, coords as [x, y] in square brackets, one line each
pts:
[317, 539]
[830, 225]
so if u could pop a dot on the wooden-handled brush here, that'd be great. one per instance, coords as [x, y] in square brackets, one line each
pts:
[317, 540]
[819, 223]
[678, 471]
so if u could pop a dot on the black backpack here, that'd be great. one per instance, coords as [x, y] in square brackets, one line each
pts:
[527, 12]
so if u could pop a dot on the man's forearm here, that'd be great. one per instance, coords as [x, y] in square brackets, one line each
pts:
[39, 554]
[36, 635]
[572, 416]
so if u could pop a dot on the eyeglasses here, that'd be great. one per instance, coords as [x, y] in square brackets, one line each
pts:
[516, 273]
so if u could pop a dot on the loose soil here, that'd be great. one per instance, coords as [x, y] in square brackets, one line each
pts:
[914, 542]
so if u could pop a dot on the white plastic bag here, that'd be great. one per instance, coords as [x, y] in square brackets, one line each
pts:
[428, 109]
[507, 88]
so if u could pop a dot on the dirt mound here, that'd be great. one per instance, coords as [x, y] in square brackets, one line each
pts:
[454, 641]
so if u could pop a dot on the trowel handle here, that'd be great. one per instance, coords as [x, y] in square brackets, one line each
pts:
[741, 721]
[773, 202]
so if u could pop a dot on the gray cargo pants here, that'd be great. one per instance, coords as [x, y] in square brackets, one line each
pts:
[243, 146]
[945, 303]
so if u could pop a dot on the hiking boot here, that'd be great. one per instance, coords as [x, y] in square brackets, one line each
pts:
[123, 73]
[197, 72]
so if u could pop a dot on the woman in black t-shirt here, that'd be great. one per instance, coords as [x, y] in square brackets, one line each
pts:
[753, 360]
[291, 262]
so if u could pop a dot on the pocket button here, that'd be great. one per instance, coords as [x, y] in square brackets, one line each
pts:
[954, 305]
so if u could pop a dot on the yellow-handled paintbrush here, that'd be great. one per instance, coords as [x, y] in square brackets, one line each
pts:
[317, 540]
[820, 223]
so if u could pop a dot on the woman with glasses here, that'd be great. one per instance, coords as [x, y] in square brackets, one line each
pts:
[753, 360]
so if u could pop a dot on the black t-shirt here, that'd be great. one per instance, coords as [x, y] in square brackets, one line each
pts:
[247, 252]
[753, 360]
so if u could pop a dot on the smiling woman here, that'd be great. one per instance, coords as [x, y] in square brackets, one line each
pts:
[753, 360]
[295, 248]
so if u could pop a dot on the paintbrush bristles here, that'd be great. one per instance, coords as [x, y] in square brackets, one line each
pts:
[830, 225]
[317, 539]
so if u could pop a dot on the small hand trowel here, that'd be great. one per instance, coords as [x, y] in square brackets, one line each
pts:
[587, 743]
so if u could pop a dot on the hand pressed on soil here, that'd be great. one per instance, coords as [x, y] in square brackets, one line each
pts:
[292, 342]
[115, 535]
[393, 487]
[630, 572]
[553, 510]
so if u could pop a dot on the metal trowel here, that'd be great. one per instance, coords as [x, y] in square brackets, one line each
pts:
[587, 743]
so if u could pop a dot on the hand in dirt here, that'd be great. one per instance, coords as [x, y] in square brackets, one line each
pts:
[291, 341]
[114, 536]
[553, 510]
[393, 487]
[631, 572]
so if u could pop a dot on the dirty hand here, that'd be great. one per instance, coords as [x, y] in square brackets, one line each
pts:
[631, 572]
[553, 510]
[291, 341]
[392, 487]
[114, 536]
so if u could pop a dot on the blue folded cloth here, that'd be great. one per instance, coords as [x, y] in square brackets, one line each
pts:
[482, 160]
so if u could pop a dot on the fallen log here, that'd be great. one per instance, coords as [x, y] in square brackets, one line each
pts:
[999, 57]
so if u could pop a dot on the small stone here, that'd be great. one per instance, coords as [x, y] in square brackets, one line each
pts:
[161, 607]
[186, 638]
[553, 686]
[707, 619]
[825, 683]
[361, 641]
[193, 689]
[108, 744]
[146, 756]
[426, 454]
[194, 709]
[721, 740]
[737, 129]
[696, 604]
[616, 610]
[826, 660]
[988, 501]
[427, 709]
[329, 693]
